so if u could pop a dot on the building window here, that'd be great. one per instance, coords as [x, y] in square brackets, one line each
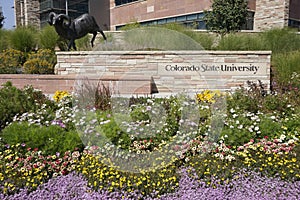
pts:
[121, 2]
[294, 23]
[195, 21]
[75, 8]
[191, 20]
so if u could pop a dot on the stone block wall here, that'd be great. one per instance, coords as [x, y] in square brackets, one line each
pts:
[271, 14]
[171, 71]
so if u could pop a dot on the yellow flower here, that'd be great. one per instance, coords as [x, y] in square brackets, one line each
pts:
[59, 94]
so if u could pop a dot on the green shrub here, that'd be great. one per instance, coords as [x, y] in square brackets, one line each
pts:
[205, 39]
[84, 44]
[23, 39]
[159, 38]
[4, 34]
[41, 62]
[243, 102]
[158, 120]
[48, 38]
[287, 68]
[130, 26]
[241, 42]
[16, 101]
[11, 61]
[281, 40]
[49, 139]
[275, 103]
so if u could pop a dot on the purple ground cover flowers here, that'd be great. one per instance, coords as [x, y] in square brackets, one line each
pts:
[246, 185]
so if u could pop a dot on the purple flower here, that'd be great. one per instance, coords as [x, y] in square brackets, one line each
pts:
[59, 123]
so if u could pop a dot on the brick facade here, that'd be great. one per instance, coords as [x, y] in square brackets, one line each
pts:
[142, 10]
[152, 9]
[268, 13]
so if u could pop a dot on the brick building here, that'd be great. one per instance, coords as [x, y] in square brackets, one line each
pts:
[263, 14]
[113, 14]
[36, 12]
[27, 12]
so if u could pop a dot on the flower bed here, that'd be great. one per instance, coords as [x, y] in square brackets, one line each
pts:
[234, 146]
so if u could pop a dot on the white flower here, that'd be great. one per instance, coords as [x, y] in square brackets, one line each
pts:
[149, 101]
[282, 137]
[221, 157]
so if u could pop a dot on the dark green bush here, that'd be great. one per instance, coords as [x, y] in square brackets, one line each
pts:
[50, 139]
[48, 38]
[23, 39]
[16, 101]
[4, 34]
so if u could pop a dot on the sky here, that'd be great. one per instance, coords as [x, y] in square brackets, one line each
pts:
[8, 12]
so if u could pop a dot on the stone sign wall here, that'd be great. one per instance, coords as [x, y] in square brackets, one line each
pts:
[170, 71]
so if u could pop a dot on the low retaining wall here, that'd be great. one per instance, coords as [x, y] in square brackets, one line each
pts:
[148, 72]
[172, 71]
[51, 83]
[47, 83]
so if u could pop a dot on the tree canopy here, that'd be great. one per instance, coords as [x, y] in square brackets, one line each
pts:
[1, 20]
[226, 15]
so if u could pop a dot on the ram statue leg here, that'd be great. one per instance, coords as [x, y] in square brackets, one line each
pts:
[93, 39]
[72, 44]
[102, 33]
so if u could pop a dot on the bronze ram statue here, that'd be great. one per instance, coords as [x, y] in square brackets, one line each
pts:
[74, 29]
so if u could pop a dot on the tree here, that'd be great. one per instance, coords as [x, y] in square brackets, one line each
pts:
[226, 15]
[1, 19]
